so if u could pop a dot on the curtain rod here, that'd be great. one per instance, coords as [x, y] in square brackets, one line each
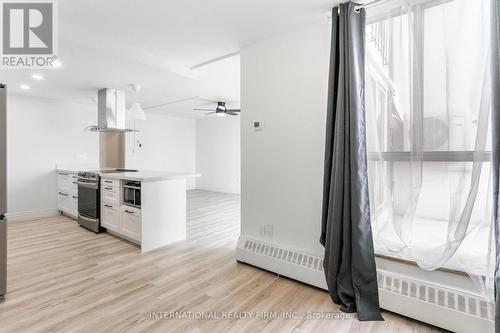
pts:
[367, 4]
[356, 8]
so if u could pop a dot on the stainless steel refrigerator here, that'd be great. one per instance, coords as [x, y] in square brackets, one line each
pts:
[3, 191]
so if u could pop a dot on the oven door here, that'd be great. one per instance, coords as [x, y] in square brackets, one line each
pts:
[88, 199]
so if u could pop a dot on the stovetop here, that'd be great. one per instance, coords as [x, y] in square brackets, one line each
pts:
[117, 171]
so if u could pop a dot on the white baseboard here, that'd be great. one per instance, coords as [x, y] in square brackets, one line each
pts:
[434, 303]
[33, 214]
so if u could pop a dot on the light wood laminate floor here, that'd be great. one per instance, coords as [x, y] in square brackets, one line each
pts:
[63, 278]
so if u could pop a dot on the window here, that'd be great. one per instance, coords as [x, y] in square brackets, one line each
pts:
[428, 133]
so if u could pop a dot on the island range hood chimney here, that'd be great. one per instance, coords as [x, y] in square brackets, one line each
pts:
[111, 112]
[111, 122]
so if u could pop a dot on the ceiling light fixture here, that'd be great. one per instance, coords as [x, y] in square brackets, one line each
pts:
[25, 87]
[37, 77]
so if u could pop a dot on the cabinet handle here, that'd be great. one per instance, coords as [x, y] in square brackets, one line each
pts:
[74, 197]
[108, 181]
[108, 206]
[63, 174]
[63, 194]
[75, 183]
[128, 211]
[108, 188]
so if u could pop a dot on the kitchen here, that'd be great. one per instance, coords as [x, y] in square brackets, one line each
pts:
[147, 208]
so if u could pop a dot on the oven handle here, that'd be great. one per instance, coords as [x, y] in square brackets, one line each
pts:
[80, 216]
[94, 186]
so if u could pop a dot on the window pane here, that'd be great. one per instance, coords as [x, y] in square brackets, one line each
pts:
[455, 60]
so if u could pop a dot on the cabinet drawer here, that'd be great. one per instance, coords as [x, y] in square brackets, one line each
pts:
[110, 217]
[114, 183]
[110, 195]
[67, 203]
[63, 201]
[67, 182]
[63, 180]
[130, 223]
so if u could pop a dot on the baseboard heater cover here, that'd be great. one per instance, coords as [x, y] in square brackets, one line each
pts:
[438, 305]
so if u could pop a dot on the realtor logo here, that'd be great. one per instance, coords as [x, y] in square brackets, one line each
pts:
[28, 34]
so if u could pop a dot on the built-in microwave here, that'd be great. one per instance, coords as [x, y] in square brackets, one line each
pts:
[132, 193]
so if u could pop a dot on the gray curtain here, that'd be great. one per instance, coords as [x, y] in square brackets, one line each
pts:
[495, 144]
[349, 261]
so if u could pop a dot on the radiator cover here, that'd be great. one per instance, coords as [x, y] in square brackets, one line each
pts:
[435, 304]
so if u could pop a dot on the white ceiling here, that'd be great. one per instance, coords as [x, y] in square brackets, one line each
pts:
[154, 43]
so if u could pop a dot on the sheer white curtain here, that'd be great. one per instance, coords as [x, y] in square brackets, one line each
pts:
[428, 131]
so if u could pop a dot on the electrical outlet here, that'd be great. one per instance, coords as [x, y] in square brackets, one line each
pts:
[262, 230]
[269, 230]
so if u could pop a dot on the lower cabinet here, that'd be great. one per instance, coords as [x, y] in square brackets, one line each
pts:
[130, 220]
[122, 220]
[110, 217]
[67, 193]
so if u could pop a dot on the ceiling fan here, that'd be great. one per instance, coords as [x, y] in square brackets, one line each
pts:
[220, 110]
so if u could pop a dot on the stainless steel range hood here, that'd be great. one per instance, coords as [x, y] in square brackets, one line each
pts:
[111, 112]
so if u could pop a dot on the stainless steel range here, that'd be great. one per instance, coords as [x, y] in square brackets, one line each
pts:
[89, 197]
[89, 200]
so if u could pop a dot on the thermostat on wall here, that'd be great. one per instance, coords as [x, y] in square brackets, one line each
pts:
[257, 125]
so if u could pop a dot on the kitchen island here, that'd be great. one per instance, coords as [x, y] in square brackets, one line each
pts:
[156, 219]
[161, 218]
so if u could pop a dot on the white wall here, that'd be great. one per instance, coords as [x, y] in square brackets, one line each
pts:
[284, 85]
[218, 154]
[42, 133]
[168, 143]
[45, 132]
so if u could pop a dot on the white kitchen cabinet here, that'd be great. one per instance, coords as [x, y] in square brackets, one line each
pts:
[67, 193]
[107, 182]
[121, 220]
[130, 223]
[110, 191]
[63, 201]
[110, 196]
[110, 204]
[110, 217]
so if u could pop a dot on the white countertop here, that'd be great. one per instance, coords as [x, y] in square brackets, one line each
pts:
[141, 175]
[150, 176]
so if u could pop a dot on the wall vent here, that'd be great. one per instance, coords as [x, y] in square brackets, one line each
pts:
[434, 294]
[281, 253]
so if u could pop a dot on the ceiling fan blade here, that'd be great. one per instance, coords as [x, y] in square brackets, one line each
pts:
[202, 109]
[233, 110]
[211, 112]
